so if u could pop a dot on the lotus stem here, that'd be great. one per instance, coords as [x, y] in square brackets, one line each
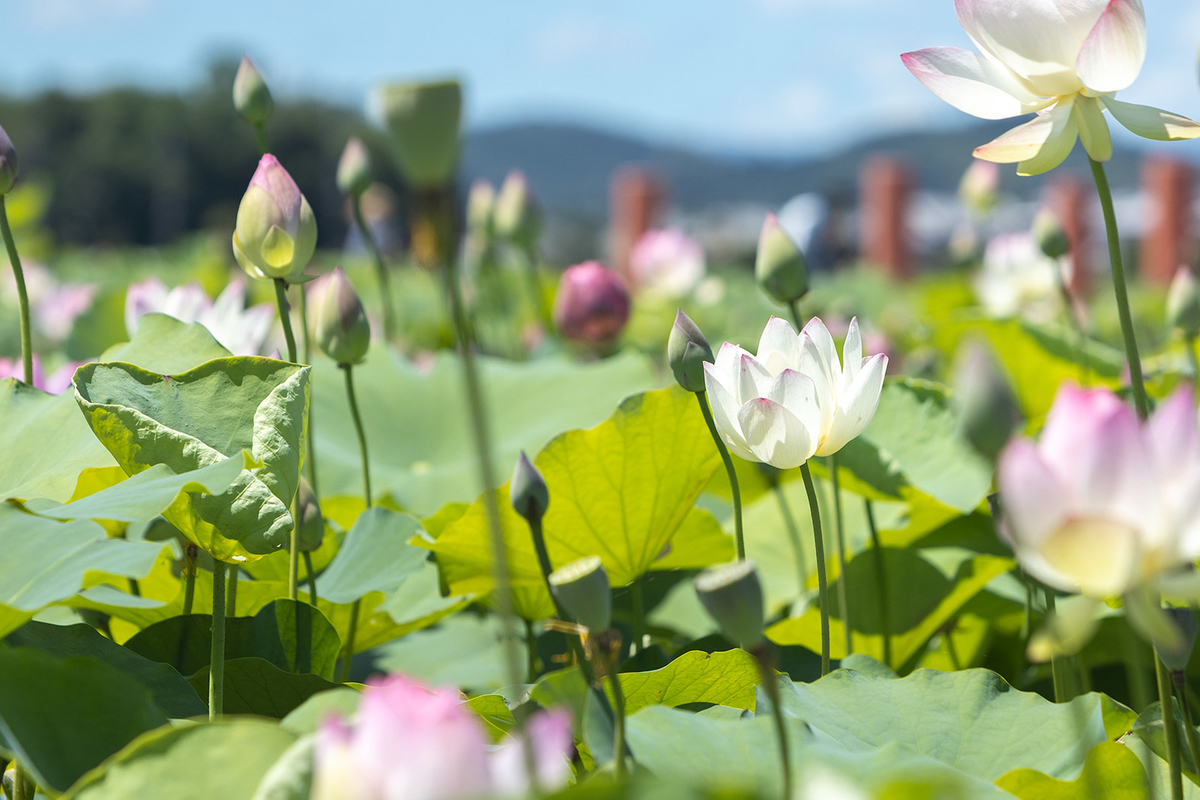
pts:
[1179, 678]
[348, 650]
[191, 557]
[358, 429]
[535, 284]
[285, 319]
[260, 135]
[381, 270]
[770, 684]
[739, 537]
[618, 727]
[840, 538]
[885, 624]
[1058, 666]
[638, 601]
[822, 582]
[1136, 380]
[531, 646]
[1174, 759]
[216, 668]
[789, 522]
[231, 603]
[22, 294]
[794, 307]
[312, 578]
[1194, 359]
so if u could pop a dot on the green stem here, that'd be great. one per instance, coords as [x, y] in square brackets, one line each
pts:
[770, 684]
[543, 557]
[348, 650]
[285, 318]
[381, 270]
[618, 727]
[1058, 666]
[885, 623]
[1174, 760]
[216, 668]
[21, 783]
[740, 538]
[1194, 359]
[535, 284]
[789, 523]
[638, 601]
[531, 646]
[312, 578]
[306, 343]
[822, 584]
[1189, 727]
[191, 557]
[794, 307]
[261, 136]
[1119, 288]
[840, 538]
[22, 295]
[231, 603]
[358, 428]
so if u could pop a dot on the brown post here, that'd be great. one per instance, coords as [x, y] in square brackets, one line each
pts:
[885, 188]
[1068, 199]
[1167, 187]
[636, 197]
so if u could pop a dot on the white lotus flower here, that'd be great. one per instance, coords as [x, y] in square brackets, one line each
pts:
[240, 330]
[1064, 60]
[794, 399]
[1018, 278]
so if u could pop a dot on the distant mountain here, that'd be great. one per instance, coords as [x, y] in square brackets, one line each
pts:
[569, 166]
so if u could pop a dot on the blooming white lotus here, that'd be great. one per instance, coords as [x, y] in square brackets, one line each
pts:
[240, 330]
[793, 400]
[1018, 278]
[1064, 60]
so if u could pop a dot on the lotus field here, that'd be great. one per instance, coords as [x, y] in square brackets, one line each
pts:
[461, 523]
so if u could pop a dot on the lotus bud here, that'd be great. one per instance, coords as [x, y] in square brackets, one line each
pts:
[1176, 658]
[354, 168]
[341, 327]
[312, 525]
[987, 408]
[1183, 303]
[687, 350]
[481, 204]
[592, 304]
[251, 97]
[517, 215]
[423, 119]
[733, 597]
[8, 164]
[527, 490]
[780, 266]
[581, 587]
[977, 189]
[1049, 234]
[276, 231]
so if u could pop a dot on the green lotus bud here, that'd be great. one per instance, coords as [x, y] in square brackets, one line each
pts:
[733, 596]
[1183, 303]
[780, 267]
[342, 330]
[527, 490]
[1049, 234]
[423, 119]
[1176, 658]
[251, 97]
[517, 215]
[988, 410]
[312, 525]
[581, 587]
[8, 164]
[687, 350]
[481, 203]
[276, 231]
[354, 168]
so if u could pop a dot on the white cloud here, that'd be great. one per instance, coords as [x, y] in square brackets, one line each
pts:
[581, 38]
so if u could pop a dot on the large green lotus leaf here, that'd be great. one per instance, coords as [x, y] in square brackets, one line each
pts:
[168, 689]
[1149, 728]
[44, 561]
[1110, 772]
[225, 759]
[256, 686]
[1158, 770]
[466, 650]
[342, 702]
[972, 719]
[620, 490]
[195, 419]
[375, 556]
[62, 717]
[726, 678]
[421, 447]
[165, 345]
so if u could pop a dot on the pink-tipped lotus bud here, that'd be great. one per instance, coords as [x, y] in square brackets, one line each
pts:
[517, 216]
[732, 595]
[354, 168]
[312, 524]
[978, 187]
[592, 304]
[1183, 303]
[481, 204]
[341, 326]
[423, 119]
[779, 266]
[251, 97]
[276, 231]
[583, 590]
[1049, 234]
[8, 164]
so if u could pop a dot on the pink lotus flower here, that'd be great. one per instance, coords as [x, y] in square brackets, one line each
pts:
[410, 742]
[56, 382]
[240, 330]
[668, 263]
[592, 304]
[1103, 504]
[1064, 60]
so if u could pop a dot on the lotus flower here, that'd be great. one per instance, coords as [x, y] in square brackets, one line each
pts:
[667, 263]
[240, 330]
[794, 399]
[56, 382]
[1064, 60]
[592, 304]
[1018, 278]
[413, 743]
[1101, 504]
[276, 231]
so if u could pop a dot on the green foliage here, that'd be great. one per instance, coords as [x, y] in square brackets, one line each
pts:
[1110, 772]
[256, 686]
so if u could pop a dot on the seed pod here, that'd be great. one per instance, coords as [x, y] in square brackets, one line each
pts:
[423, 119]
[733, 596]
[582, 589]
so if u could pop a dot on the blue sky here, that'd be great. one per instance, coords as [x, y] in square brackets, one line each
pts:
[748, 76]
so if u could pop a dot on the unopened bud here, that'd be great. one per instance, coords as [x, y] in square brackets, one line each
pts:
[592, 304]
[1183, 303]
[687, 350]
[311, 528]
[8, 164]
[481, 204]
[251, 97]
[1049, 234]
[582, 589]
[733, 597]
[423, 119]
[276, 231]
[527, 490]
[354, 168]
[341, 327]
[779, 266]
[517, 216]
[977, 189]
[988, 411]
